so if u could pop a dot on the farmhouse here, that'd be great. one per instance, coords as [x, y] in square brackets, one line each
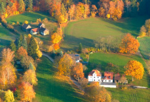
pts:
[34, 31]
[120, 79]
[26, 27]
[41, 25]
[106, 81]
[44, 31]
[76, 57]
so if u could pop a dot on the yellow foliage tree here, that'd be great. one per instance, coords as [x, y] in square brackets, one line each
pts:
[108, 16]
[135, 69]
[9, 97]
[39, 54]
[26, 22]
[56, 38]
[65, 65]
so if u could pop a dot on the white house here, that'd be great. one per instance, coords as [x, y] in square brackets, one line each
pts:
[44, 31]
[94, 76]
[76, 57]
[106, 81]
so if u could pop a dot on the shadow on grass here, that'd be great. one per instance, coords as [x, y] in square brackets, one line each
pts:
[73, 42]
[129, 25]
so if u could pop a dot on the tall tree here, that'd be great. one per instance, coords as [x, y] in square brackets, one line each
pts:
[30, 5]
[20, 41]
[32, 48]
[65, 65]
[134, 69]
[27, 92]
[24, 43]
[30, 76]
[2, 8]
[7, 55]
[129, 44]
[77, 71]
[21, 6]
[21, 52]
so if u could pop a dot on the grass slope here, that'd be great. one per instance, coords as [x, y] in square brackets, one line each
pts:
[100, 60]
[50, 89]
[144, 47]
[29, 16]
[5, 37]
[131, 95]
[87, 30]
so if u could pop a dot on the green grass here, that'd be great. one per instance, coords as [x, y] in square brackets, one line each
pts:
[88, 30]
[131, 95]
[5, 38]
[145, 47]
[29, 16]
[50, 89]
[100, 60]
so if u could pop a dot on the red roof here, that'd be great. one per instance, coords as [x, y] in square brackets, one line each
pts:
[35, 30]
[117, 76]
[108, 75]
[94, 71]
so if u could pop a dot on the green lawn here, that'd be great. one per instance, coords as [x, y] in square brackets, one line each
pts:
[145, 47]
[50, 89]
[87, 30]
[100, 60]
[5, 37]
[131, 95]
[29, 16]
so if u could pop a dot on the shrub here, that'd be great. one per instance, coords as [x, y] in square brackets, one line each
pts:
[13, 23]
[18, 23]
[26, 22]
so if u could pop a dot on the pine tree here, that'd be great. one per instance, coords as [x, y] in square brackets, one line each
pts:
[30, 4]
[24, 43]
[20, 41]
[32, 47]
[13, 46]
[80, 48]
[2, 8]
[21, 6]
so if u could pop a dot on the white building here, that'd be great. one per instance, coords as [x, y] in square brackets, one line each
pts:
[94, 76]
[106, 81]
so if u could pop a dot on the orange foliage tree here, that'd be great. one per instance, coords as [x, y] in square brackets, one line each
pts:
[27, 92]
[93, 11]
[135, 69]
[56, 38]
[56, 46]
[71, 11]
[79, 11]
[77, 71]
[129, 44]
[21, 52]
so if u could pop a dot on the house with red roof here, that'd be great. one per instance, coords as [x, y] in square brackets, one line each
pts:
[108, 77]
[34, 31]
[94, 76]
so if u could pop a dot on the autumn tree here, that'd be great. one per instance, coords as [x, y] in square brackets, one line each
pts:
[101, 12]
[71, 11]
[21, 52]
[56, 46]
[21, 6]
[27, 92]
[30, 76]
[9, 97]
[129, 44]
[134, 69]
[86, 10]
[93, 10]
[83, 82]
[65, 65]
[13, 46]
[79, 11]
[30, 5]
[95, 93]
[77, 71]
[56, 38]
[143, 31]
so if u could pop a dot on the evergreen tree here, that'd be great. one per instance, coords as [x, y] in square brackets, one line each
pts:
[13, 46]
[21, 6]
[24, 43]
[20, 41]
[32, 47]
[80, 48]
[63, 9]
[2, 7]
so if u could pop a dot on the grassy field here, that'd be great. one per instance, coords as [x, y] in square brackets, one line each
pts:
[5, 37]
[50, 89]
[29, 16]
[144, 47]
[131, 95]
[100, 60]
[88, 30]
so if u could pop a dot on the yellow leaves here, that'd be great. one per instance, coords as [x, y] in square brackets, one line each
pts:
[61, 19]
[39, 54]
[5, 15]
[135, 69]
[56, 38]
[108, 16]
[26, 22]
[142, 34]
[9, 97]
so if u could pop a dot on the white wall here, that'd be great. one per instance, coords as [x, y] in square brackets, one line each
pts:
[94, 78]
[108, 81]
[108, 86]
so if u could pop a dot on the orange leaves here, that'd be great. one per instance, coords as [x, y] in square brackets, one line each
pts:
[77, 71]
[129, 44]
[21, 52]
[27, 92]
[135, 69]
[56, 46]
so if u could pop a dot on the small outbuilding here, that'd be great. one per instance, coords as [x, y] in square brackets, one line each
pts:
[34, 31]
